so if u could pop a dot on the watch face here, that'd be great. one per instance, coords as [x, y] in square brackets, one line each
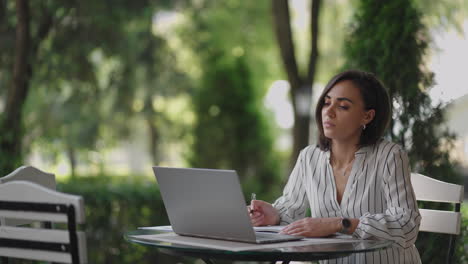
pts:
[346, 223]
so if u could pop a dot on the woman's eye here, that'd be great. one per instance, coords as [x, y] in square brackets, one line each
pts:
[344, 107]
[326, 103]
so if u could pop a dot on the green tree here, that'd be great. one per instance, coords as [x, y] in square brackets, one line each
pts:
[231, 132]
[389, 39]
[67, 107]
[18, 85]
[233, 42]
[43, 28]
[83, 79]
[240, 28]
[301, 84]
[159, 77]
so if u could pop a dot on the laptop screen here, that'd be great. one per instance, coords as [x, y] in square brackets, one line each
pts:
[205, 202]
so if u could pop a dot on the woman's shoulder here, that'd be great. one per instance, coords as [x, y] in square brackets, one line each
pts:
[312, 150]
[384, 148]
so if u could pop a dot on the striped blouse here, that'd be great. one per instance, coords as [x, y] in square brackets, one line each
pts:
[378, 192]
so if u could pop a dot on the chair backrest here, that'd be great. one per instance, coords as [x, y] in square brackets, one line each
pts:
[439, 221]
[32, 202]
[428, 189]
[30, 174]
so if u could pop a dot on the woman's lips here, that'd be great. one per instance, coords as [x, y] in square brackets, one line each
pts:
[328, 124]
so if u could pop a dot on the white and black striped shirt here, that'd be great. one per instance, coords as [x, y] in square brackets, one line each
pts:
[378, 192]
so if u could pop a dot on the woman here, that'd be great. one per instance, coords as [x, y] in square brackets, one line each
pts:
[353, 182]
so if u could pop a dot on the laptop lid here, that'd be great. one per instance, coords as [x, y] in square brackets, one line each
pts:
[205, 203]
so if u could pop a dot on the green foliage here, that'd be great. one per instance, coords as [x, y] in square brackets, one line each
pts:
[230, 132]
[8, 161]
[461, 251]
[113, 206]
[240, 28]
[95, 72]
[390, 40]
[444, 15]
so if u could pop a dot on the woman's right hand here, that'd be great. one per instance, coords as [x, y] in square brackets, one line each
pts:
[262, 213]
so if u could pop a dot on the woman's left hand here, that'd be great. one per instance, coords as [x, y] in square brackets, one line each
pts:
[313, 227]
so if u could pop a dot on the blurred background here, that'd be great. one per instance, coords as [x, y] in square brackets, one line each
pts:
[97, 92]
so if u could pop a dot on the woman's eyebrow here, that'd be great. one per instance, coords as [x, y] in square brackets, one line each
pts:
[340, 99]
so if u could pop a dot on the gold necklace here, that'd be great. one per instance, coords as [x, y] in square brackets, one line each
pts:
[345, 168]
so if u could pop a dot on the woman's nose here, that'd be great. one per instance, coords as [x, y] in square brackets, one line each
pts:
[330, 111]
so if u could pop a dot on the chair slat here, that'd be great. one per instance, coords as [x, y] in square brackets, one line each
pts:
[23, 191]
[82, 248]
[428, 189]
[46, 217]
[445, 222]
[35, 255]
[35, 234]
[42, 235]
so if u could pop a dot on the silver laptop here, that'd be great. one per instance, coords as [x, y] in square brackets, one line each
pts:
[209, 203]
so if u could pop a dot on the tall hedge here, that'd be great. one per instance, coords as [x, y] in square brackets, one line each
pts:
[389, 39]
[231, 131]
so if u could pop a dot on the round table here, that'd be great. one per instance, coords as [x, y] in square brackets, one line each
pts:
[285, 254]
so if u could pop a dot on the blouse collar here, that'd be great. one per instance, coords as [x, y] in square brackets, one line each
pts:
[361, 150]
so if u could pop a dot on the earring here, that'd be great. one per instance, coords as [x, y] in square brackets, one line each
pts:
[364, 127]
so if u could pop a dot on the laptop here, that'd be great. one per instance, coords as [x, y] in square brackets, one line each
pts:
[209, 203]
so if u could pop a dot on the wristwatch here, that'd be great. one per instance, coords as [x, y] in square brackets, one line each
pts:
[345, 225]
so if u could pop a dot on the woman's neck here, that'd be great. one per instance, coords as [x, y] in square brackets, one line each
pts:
[342, 153]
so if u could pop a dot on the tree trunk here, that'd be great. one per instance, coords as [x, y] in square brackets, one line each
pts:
[153, 138]
[11, 121]
[2, 14]
[301, 87]
[71, 153]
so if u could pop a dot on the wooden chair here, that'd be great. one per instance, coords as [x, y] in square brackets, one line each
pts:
[32, 202]
[438, 221]
[31, 174]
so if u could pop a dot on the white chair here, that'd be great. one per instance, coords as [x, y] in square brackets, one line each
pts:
[31, 174]
[438, 221]
[32, 202]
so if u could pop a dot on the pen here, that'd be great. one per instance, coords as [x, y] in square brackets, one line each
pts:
[252, 197]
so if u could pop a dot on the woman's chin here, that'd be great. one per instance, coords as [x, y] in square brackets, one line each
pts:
[329, 134]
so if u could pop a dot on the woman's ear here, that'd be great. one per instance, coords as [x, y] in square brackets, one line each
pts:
[369, 116]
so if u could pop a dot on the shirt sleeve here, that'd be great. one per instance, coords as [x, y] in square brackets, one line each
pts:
[400, 221]
[293, 203]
